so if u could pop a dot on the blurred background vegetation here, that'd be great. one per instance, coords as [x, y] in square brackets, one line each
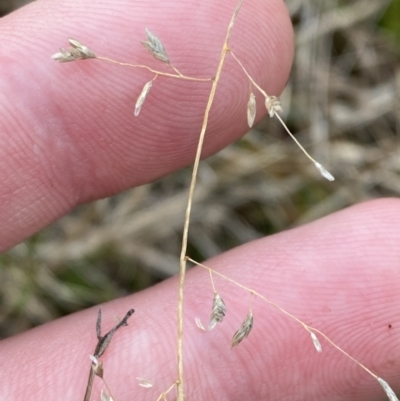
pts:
[342, 101]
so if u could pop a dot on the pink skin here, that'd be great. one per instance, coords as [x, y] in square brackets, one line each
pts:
[340, 274]
[68, 135]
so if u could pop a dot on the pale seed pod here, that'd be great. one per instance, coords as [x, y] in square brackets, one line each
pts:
[388, 390]
[63, 56]
[251, 110]
[218, 311]
[83, 51]
[199, 324]
[324, 172]
[144, 383]
[105, 397]
[77, 51]
[155, 47]
[244, 330]
[142, 97]
[316, 342]
[273, 105]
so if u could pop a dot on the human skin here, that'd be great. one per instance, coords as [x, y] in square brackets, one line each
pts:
[68, 136]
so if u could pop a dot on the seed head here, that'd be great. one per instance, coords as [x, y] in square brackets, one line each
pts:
[77, 51]
[144, 383]
[105, 397]
[142, 97]
[82, 50]
[316, 342]
[388, 390]
[63, 56]
[199, 324]
[155, 47]
[251, 110]
[324, 172]
[273, 105]
[218, 311]
[244, 330]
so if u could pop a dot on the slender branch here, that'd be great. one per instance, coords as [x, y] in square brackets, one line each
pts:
[104, 341]
[212, 282]
[89, 385]
[249, 76]
[163, 396]
[182, 270]
[276, 114]
[102, 344]
[325, 173]
[310, 329]
[165, 74]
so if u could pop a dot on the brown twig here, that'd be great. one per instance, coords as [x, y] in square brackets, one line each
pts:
[102, 344]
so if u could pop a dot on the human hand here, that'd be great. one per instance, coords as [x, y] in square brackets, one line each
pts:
[68, 136]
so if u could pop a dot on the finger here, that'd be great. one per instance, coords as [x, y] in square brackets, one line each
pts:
[339, 274]
[68, 132]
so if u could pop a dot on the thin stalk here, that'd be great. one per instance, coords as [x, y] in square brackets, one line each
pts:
[164, 74]
[276, 114]
[182, 268]
[102, 343]
[322, 170]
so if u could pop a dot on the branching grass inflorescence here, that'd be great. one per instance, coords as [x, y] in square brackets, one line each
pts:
[78, 51]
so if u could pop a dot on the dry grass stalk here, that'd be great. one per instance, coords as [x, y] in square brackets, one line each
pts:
[163, 396]
[183, 258]
[273, 107]
[97, 366]
[103, 342]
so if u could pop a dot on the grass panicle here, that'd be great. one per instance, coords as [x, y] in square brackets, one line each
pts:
[79, 51]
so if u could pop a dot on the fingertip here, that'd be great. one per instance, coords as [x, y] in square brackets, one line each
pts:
[346, 289]
[75, 128]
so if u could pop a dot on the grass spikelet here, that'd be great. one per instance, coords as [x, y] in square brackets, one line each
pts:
[244, 330]
[218, 311]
